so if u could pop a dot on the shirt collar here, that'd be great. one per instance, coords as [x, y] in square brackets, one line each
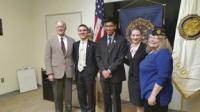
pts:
[112, 36]
[84, 41]
[60, 37]
[135, 48]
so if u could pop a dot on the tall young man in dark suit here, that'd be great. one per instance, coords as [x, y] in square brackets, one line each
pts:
[85, 69]
[110, 53]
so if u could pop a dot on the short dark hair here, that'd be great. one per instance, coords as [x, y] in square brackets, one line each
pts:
[83, 25]
[110, 19]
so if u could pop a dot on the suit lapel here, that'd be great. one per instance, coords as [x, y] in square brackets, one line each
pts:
[88, 47]
[114, 42]
[57, 43]
[88, 50]
[138, 51]
[77, 50]
[69, 46]
[105, 44]
[129, 54]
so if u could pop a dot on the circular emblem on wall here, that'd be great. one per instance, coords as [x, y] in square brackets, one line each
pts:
[189, 27]
[140, 23]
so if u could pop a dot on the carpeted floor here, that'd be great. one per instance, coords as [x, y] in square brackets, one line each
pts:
[33, 101]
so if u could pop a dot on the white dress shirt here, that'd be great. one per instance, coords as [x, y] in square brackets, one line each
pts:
[82, 55]
[64, 40]
[112, 38]
[133, 49]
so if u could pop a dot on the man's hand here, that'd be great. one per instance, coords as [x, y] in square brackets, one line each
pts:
[51, 77]
[110, 73]
[106, 74]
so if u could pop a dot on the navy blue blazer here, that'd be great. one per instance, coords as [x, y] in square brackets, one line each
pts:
[91, 68]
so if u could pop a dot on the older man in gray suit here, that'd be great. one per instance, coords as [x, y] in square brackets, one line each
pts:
[59, 67]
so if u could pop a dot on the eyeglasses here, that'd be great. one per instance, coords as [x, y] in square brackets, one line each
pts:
[157, 37]
[82, 30]
[135, 35]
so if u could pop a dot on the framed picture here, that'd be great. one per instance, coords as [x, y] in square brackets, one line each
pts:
[1, 27]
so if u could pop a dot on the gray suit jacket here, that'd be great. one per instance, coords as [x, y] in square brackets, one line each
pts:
[55, 61]
[112, 57]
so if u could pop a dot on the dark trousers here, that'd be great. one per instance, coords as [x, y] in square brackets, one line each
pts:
[62, 89]
[86, 92]
[111, 95]
[155, 108]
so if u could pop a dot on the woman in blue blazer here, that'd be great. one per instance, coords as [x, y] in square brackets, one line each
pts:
[155, 73]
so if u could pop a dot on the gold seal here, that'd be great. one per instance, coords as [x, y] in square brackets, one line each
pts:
[189, 27]
[158, 32]
[142, 24]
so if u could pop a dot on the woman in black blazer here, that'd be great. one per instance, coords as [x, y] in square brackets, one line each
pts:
[135, 54]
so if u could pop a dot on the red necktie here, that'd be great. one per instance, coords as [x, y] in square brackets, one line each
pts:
[109, 41]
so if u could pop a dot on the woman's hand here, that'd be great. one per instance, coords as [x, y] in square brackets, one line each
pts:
[152, 100]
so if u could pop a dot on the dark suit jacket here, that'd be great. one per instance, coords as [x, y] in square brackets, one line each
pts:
[134, 62]
[91, 69]
[112, 58]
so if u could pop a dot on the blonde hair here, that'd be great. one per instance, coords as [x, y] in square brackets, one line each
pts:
[164, 43]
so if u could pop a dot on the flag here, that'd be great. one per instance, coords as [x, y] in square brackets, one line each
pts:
[99, 18]
[153, 13]
[144, 16]
[186, 55]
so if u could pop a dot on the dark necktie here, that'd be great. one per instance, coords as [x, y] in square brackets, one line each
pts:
[109, 41]
[63, 46]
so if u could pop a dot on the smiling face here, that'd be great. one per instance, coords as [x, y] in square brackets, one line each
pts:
[83, 32]
[154, 41]
[60, 28]
[110, 28]
[135, 36]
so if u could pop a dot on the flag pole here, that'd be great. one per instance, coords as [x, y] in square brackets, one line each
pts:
[164, 6]
[181, 103]
[154, 2]
[129, 4]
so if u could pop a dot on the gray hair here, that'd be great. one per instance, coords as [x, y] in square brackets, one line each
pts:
[61, 21]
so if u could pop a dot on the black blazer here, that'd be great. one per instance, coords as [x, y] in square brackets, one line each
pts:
[91, 68]
[134, 62]
[112, 58]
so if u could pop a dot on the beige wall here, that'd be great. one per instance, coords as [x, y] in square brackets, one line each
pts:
[16, 44]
